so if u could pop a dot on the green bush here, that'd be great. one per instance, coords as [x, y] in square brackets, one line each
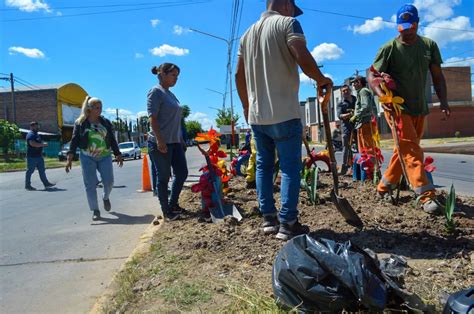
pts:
[457, 134]
[8, 133]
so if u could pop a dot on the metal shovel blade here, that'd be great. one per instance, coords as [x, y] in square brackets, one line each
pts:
[218, 216]
[346, 210]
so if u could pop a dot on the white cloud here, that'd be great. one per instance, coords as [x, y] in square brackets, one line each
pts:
[179, 30]
[124, 114]
[154, 22]
[432, 10]
[370, 26]
[166, 49]
[327, 51]
[437, 32]
[138, 55]
[202, 118]
[456, 62]
[304, 79]
[28, 5]
[329, 75]
[29, 52]
[142, 114]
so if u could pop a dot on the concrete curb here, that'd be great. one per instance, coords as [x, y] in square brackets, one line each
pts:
[142, 248]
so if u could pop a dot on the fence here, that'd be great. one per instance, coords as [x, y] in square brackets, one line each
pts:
[54, 147]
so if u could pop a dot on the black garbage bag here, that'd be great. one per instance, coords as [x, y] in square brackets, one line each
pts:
[328, 276]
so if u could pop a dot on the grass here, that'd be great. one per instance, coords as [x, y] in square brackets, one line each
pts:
[176, 289]
[248, 300]
[185, 294]
[19, 164]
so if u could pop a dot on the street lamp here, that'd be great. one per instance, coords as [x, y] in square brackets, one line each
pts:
[229, 71]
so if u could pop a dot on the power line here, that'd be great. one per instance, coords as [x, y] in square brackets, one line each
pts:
[373, 19]
[104, 12]
[103, 6]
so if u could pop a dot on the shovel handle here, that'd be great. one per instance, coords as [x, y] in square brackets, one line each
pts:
[324, 95]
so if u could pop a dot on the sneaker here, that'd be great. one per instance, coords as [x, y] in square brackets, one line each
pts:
[270, 224]
[30, 188]
[178, 209]
[107, 205]
[49, 185]
[172, 216]
[287, 231]
[96, 215]
[432, 207]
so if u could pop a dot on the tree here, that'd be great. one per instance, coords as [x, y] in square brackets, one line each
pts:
[186, 111]
[8, 133]
[223, 117]
[193, 128]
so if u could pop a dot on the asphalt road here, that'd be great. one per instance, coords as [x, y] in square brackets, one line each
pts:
[53, 258]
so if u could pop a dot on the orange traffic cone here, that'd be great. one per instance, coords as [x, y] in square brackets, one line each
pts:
[146, 184]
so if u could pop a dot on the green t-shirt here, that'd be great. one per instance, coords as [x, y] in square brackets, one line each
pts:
[408, 65]
[96, 146]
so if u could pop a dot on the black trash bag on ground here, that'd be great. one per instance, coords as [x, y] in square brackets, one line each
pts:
[328, 276]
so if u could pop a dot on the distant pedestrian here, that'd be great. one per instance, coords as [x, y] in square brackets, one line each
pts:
[407, 59]
[267, 81]
[345, 110]
[94, 136]
[34, 157]
[166, 118]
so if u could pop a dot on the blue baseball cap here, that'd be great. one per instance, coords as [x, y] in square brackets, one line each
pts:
[407, 16]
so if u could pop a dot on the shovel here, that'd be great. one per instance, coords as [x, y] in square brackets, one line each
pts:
[400, 157]
[221, 210]
[341, 203]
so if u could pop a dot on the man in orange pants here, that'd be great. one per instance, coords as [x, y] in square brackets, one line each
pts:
[365, 108]
[407, 59]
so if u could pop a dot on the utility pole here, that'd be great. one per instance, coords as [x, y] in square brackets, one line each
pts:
[12, 84]
[229, 72]
[5, 105]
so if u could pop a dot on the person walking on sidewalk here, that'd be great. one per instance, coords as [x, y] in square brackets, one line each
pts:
[165, 115]
[34, 157]
[267, 81]
[365, 108]
[94, 137]
[407, 59]
[345, 110]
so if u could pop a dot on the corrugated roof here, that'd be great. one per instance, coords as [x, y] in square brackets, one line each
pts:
[20, 88]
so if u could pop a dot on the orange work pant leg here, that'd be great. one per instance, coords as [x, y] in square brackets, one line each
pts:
[412, 154]
[365, 140]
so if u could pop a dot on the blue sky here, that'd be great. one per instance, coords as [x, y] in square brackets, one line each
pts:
[110, 55]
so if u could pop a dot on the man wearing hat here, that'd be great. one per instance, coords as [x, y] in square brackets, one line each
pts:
[267, 81]
[34, 157]
[407, 59]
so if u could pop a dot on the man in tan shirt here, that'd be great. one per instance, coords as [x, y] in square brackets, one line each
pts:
[267, 81]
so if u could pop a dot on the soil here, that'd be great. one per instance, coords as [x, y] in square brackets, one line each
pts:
[237, 252]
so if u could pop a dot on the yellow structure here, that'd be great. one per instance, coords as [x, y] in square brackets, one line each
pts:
[68, 95]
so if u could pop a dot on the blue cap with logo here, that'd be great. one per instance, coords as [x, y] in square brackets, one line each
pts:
[407, 16]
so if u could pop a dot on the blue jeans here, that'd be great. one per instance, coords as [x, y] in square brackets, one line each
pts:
[31, 164]
[152, 147]
[286, 138]
[90, 166]
[176, 159]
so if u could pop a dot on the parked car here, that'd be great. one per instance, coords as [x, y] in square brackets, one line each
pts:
[62, 155]
[130, 150]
